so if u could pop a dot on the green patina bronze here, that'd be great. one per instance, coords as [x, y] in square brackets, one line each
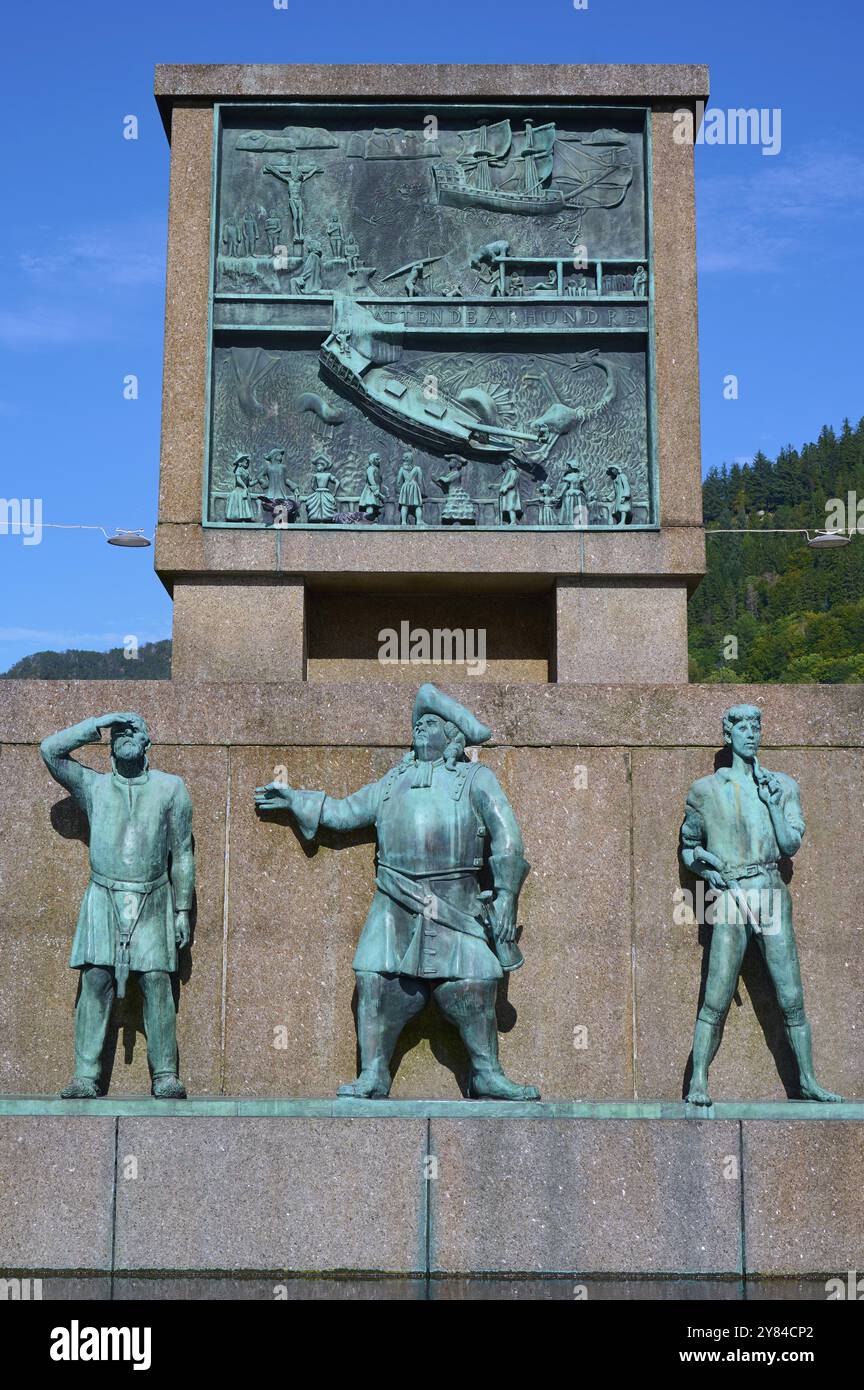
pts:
[135, 912]
[473, 282]
[740, 824]
[449, 870]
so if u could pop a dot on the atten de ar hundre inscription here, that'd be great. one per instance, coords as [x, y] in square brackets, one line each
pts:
[431, 317]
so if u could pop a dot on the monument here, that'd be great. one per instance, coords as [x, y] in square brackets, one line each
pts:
[430, 421]
[483, 292]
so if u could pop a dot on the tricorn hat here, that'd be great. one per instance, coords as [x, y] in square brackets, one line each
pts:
[431, 700]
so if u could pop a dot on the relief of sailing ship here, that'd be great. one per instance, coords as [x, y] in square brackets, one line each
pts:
[361, 359]
[596, 170]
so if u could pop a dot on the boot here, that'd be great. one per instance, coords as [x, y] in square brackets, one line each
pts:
[470, 1005]
[81, 1088]
[168, 1087]
[385, 1003]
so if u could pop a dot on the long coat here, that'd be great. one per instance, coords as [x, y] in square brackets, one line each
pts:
[434, 827]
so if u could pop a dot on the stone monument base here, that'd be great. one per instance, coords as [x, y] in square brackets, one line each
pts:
[425, 1191]
[279, 1198]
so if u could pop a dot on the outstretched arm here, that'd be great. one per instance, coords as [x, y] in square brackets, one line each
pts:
[314, 809]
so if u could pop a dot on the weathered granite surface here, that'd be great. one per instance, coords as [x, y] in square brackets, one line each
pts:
[649, 623]
[56, 1184]
[179, 82]
[224, 631]
[280, 1194]
[802, 1198]
[512, 633]
[186, 286]
[279, 1203]
[376, 714]
[585, 1195]
[518, 561]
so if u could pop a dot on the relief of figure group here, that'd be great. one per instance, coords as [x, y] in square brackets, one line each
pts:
[276, 497]
[538, 475]
[257, 243]
[260, 243]
[271, 495]
[595, 173]
[558, 468]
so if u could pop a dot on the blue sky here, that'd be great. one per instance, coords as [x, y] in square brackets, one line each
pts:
[781, 288]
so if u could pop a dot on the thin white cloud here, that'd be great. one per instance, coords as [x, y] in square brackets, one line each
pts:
[123, 256]
[77, 287]
[761, 221]
[46, 325]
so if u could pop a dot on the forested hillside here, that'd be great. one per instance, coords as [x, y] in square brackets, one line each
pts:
[796, 614]
[153, 663]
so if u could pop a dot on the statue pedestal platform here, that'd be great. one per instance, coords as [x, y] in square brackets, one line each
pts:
[253, 1194]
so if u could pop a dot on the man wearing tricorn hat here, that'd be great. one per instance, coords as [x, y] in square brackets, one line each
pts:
[443, 824]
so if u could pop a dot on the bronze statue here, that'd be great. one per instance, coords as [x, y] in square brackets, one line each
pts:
[135, 911]
[444, 829]
[739, 823]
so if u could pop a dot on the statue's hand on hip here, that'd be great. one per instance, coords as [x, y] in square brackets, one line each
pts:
[709, 867]
[181, 928]
[276, 796]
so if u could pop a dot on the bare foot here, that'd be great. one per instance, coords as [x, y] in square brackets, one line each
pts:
[698, 1094]
[811, 1090]
[373, 1083]
[494, 1085]
[81, 1088]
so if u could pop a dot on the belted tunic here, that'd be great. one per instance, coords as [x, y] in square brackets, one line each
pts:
[142, 867]
[135, 823]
